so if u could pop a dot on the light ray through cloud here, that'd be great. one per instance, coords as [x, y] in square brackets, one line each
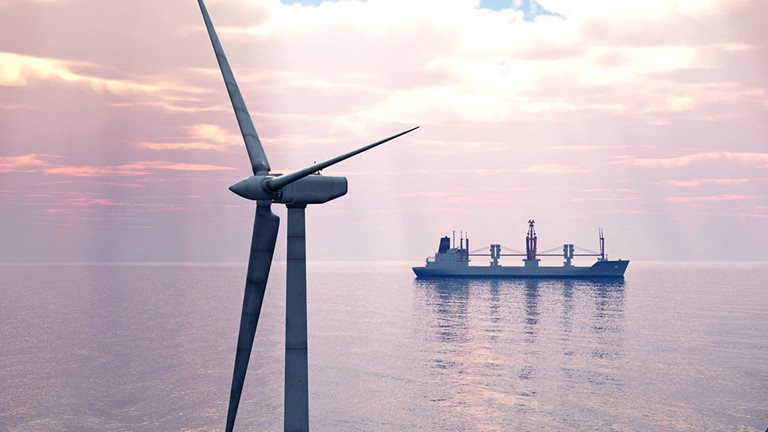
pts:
[627, 115]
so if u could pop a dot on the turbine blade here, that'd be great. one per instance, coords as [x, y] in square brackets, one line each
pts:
[265, 228]
[277, 183]
[256, 154]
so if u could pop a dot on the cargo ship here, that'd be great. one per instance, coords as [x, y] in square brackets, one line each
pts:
[452, 261]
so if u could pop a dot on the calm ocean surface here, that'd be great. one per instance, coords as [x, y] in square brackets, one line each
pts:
[150, 348]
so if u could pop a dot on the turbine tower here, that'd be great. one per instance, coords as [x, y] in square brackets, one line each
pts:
[295, 190]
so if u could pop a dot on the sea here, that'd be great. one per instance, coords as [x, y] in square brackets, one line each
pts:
[150, 347]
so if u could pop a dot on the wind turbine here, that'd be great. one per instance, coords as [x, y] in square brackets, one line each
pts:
[295, 190]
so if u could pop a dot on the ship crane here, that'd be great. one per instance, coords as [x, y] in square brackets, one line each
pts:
[495, 253]
[531, 254]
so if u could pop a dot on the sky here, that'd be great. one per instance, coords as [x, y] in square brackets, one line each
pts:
[646, 118]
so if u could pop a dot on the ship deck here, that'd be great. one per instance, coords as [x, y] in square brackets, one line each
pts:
[601, 269]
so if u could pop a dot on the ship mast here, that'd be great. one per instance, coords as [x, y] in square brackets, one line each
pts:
[530, 241]
[602, 245]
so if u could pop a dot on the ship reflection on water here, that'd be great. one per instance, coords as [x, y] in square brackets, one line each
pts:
[505, 346]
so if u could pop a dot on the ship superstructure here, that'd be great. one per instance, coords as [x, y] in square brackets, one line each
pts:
[453, 261]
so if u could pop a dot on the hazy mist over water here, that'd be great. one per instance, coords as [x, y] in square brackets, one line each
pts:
[150, 348]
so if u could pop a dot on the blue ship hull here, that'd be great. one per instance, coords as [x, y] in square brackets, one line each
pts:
[601, 269]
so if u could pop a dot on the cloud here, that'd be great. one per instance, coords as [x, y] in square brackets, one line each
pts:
[489, 65]
[410, 172]
[590, 147]
[23, 163]
[475, 63]
[458, 146]
[660, 81]
[704, 181]
[19, 69]
[14, 107]
[92, 202]
[22, 70]
[579, 148]
[628, 212]
[753, 159]
[175, 166]
[707, 199]
[544, 169]
[180, 146]
[93, 171]
[95, 182]
[37, 163]
[130, 169]
[199, 137]
[610, 190]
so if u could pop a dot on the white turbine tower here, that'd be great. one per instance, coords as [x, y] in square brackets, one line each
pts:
[295, 190]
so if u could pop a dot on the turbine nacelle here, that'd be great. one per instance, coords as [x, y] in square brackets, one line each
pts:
[312, 189]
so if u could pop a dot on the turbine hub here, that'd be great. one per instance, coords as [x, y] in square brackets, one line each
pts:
[312, 189]
[254, 188]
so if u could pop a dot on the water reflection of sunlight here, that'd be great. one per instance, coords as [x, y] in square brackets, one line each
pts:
[503, 343]
[449, 301]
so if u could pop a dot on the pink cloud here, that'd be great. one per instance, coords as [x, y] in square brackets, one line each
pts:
[707, 199]
[79, 203]
[131, 169]
[704, 181]
[92, 171]
[93, 202]
[179, 146]
[199, 137]
[627, 211]
[755, 159]
[612, 190]
[34, 163]
[60, 211]
[121, 184]
[621, 198]
[591, 147]
[23, 163]
[174, 166]
[544, 169]
[20, 69]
